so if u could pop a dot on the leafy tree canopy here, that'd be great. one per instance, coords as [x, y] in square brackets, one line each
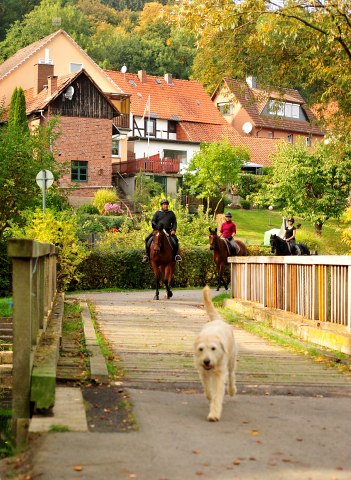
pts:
[141, 40]
[214, 167]
[283, 44]
[22, 155]
[313, 184]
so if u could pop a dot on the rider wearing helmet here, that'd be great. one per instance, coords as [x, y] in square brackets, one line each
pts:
[289, 236]
[168, 219]
[228, 229]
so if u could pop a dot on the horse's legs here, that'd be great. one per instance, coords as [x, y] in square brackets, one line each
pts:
[220, 277]
[168, 278]
[157, 281]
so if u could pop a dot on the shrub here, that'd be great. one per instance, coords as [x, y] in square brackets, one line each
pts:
[103, 196]
[88, 224]
[245, 204]
[61, 229]
[87, 208]
[112, 268]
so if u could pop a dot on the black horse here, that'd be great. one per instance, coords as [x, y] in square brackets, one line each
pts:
[280, 247]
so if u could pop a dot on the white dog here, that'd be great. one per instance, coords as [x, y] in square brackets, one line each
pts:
[215, 358]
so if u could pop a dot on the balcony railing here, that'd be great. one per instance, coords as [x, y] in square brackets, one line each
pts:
[153, 164]
[122, 121]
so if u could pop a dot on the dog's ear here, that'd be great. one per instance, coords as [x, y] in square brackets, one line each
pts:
[224, 350]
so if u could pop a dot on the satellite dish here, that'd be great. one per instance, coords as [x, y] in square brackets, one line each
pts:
[124, 69]
[69, 93]
[247, 127]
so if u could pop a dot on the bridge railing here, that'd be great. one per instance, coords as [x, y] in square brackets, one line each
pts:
[34, 288]
[316, 287]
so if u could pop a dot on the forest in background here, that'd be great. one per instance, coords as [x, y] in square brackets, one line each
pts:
[113, 32]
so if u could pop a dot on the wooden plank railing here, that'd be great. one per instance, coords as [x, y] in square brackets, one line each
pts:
[153, 164]
[34, 288]
[316, 287]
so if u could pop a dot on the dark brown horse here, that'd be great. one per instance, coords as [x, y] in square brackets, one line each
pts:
[220, 254]
[162, 257]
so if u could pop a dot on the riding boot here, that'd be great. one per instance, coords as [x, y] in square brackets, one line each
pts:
[146, 258]
[175, 246]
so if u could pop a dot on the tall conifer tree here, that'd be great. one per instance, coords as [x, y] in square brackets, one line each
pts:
[12, 107]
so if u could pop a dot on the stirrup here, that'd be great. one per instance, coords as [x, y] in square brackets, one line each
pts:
[178, 258]
[145, 259]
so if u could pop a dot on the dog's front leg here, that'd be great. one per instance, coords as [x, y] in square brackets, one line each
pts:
[206, 384]
[217, 401]
[231, 375]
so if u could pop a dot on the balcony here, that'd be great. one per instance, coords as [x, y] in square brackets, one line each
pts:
[153, 164]
[122, 121]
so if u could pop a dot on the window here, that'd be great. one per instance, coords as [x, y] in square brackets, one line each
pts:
[291, 110]
[175, 154]
[115, 147]
[150, 127]
[295, 111]
[162, 181]
[308, 141]
[270, 134]
[74, 67]
[133, 84]
[276, 108]
[290, 138]
[172, 126]
[79, 171]
[225, 108]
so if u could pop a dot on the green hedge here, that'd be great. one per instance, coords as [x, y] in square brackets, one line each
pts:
[123, 269]
[5, 271]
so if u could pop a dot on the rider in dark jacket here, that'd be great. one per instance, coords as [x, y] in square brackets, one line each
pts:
[168, 219]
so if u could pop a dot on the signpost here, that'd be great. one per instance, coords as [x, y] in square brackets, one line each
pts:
[44, 179]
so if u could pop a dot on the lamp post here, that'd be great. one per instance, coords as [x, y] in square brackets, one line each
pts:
[270, 208]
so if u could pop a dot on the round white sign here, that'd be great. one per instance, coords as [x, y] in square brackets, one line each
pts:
[44, 178]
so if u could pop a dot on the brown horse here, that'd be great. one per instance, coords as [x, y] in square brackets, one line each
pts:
[162, 257]
[220, 254]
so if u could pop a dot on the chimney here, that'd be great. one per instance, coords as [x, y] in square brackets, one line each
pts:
[168, 79]
[251, 81]
[52, 85]
[142, 76]
[41, 73]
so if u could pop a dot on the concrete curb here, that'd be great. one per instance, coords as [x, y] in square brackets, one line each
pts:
[297, 325]
[98, 368]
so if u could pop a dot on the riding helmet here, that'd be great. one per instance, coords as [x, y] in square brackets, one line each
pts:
[228, 214]
[291, 219]
[164, 200]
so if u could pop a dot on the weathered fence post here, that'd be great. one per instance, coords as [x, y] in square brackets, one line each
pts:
[28, 258]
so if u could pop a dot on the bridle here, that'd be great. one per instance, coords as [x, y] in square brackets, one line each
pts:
[274, 247]
[213, 241]
[160, 235]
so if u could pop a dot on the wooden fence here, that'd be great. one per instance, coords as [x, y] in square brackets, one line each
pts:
[34, 288]
[316, 287]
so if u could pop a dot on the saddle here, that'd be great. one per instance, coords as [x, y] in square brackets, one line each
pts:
[231, 247]
[171, 242]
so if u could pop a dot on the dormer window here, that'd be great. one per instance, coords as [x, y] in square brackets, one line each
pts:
[225, 108]
[284, 109]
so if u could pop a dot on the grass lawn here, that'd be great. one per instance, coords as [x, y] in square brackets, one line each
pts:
[251, 224]
[5, 308]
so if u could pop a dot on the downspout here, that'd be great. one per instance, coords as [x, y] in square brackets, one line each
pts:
[258, 131]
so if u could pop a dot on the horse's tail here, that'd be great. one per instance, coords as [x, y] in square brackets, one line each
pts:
[210, 308]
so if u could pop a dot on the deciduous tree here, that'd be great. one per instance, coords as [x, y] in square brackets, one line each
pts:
[313, 184]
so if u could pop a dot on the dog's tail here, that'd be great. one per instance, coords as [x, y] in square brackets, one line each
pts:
[210, 308]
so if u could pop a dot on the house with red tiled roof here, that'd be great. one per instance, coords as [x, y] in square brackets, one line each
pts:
[254, 112]
[86, 128]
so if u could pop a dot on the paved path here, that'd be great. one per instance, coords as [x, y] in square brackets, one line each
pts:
[268, 437]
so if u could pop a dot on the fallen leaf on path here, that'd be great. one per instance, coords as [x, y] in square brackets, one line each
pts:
[102, 417]
[258, 441]
[78, 468]
[299, 439]
[229, 468]
[132, 475]
[196, 451]
[339, 468]
[252, 458]
[272, 463]
[198, 473]
[247, 431]
[319, 359]
[236, 462]
[106, 410]
[286, 460]
[245, 421]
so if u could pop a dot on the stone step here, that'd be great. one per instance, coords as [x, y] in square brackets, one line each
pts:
[6, 320]
[6, 357]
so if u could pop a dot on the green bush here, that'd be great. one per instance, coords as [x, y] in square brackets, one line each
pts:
[245, 204]
[123, 269]
[87, 208]
[99, 224]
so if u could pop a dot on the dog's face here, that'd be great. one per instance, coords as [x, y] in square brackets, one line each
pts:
[208, 351]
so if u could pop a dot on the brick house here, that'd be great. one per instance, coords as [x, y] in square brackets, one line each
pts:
[254, 112]
[86, 124]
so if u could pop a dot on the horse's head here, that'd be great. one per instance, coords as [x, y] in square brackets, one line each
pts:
[157, 236]
[213, 238]
[274, 243]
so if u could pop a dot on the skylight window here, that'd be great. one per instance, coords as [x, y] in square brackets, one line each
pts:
[157, 80]
[139, 95]
[197, 101]
[133, 84]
